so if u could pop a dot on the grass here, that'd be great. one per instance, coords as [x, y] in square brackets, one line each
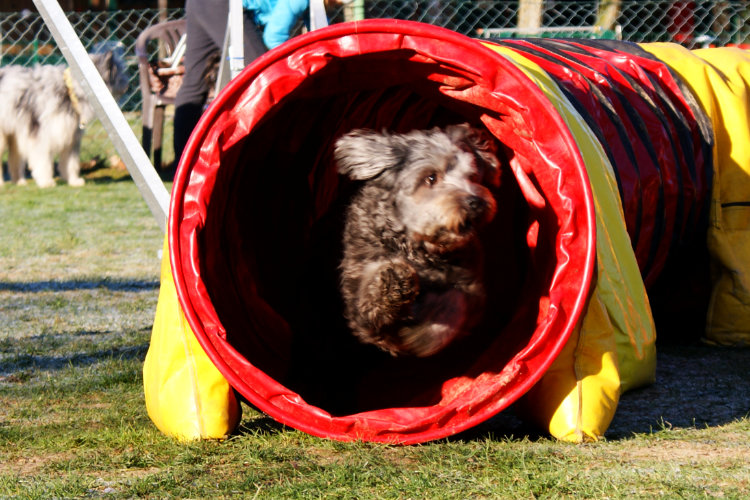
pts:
[96, 147]
[99, 156]
[78, 290]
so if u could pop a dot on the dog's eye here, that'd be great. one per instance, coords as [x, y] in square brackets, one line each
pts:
[431, 179]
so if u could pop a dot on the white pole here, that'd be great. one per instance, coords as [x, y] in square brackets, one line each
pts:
[318, 18]
[233, 50]
[236, 38]
[141, 170]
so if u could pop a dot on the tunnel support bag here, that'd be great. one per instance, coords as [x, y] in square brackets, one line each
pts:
[186, 396]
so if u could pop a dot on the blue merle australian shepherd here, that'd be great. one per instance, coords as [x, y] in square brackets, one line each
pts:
[43, 112]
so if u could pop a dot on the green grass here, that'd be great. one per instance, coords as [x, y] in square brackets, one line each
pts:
[78, 291]
[97, 149]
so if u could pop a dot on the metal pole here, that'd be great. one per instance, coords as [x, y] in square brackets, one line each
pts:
[607, 14]
[530, 14]
[162, 6]
[141, 170]
[235, 28]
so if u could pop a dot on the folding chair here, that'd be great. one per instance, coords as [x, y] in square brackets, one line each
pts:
[160, 49]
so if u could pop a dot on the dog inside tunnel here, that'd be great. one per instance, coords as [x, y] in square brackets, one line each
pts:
[258, 240]
[283, 227]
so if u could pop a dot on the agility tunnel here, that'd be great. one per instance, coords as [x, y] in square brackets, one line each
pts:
[609, 167]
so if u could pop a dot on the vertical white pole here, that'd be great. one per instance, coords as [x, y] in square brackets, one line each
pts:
[236, 38]
[141, 170]
[318, 17]
[359, 10]
[233, 52]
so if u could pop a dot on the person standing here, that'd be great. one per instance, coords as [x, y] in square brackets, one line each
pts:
[266, 24]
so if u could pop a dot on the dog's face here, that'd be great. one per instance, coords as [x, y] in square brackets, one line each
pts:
[112, 68]
[438, 179]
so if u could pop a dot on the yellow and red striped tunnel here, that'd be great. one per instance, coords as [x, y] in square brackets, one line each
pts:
[610, 160]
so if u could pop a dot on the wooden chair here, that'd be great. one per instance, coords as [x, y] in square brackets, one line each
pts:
[160, 50]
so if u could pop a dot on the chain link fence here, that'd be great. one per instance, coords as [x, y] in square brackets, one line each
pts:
[691, 23]
[27, 41]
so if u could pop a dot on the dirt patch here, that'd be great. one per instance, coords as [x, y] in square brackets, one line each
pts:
[135, 473]
[29, 466]
[686, 453]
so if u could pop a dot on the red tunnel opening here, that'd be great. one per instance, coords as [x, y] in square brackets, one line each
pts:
[256, 217]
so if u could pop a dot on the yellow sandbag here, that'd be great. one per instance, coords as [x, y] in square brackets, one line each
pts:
[186, 395]
[720, 77]
[577, 397]
[613, 349]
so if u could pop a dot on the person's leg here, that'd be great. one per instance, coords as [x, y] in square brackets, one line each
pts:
[206, 28]
[206, 25]
[253, 39]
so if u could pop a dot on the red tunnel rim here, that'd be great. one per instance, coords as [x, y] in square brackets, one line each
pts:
[406, 28]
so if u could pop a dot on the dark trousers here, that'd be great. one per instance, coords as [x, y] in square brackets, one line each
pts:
[206, 27]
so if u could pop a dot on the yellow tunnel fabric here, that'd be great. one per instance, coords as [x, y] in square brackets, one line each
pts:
[186, 395]
[720, 79]
[613, 349]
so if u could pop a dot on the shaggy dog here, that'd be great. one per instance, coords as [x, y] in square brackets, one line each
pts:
[42, 115]
[411, 273]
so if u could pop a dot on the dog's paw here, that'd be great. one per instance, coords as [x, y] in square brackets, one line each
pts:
[426, 339]
[392, 288]
[442, 318]
[398, 284]
[45, 183]
[76, 181]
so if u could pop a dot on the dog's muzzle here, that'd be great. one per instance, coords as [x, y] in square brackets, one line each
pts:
[478, 210]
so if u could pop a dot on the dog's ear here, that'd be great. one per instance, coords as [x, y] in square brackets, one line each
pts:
[364, 154]
[102, 59]
[484, 147]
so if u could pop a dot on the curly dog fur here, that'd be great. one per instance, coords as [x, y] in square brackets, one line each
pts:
[411, 273]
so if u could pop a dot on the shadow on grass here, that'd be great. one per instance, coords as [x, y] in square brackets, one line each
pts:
[95, 171]
[108, 179]
[19, 363]
[506, 425]
[697, 386]
[115, 285]
[262, 424]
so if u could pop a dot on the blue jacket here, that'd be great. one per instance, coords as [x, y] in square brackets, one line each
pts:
[278, 17]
